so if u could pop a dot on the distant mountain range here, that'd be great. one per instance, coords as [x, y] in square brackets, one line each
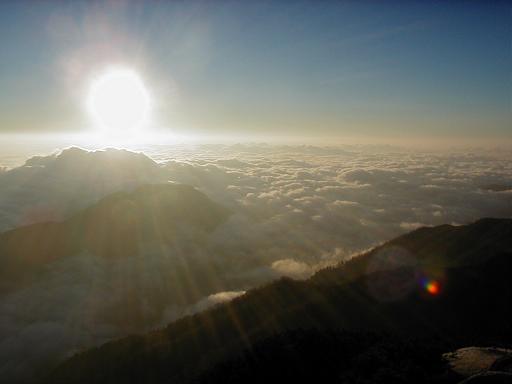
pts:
[384, 316]
[57, 186]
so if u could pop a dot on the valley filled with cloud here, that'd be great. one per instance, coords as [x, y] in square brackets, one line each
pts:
[272, 211]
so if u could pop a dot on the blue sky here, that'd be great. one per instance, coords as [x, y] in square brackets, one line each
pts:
[287, 67]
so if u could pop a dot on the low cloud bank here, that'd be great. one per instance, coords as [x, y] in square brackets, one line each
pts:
[294, 210]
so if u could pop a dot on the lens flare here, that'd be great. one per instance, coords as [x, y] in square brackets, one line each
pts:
[432, 286]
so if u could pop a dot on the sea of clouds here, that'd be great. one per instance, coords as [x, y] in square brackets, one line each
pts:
[295, 209]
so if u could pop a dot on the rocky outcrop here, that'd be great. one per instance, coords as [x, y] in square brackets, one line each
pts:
[481, 365]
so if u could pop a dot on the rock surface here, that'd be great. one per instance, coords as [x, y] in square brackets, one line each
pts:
[475, 360]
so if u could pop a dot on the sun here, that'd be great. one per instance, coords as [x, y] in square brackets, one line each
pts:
[118, 101]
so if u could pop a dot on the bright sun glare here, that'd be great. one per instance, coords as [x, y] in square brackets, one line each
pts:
[119, 101]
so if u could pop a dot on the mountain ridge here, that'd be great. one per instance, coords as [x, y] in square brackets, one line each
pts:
[115, 226]
[424, 241]
[473, 307]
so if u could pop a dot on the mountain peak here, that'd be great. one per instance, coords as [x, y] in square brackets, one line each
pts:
[115, 226]
[76, 157]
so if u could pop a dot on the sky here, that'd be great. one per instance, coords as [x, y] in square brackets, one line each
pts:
[289, 68]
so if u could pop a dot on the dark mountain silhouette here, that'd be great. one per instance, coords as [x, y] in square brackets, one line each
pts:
[473, 306]
[435, 247]
[116, 226]
[326, 356]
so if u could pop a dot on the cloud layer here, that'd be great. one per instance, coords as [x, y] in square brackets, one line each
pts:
[294, 210]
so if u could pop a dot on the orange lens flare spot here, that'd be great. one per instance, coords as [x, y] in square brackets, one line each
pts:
[432, 286]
